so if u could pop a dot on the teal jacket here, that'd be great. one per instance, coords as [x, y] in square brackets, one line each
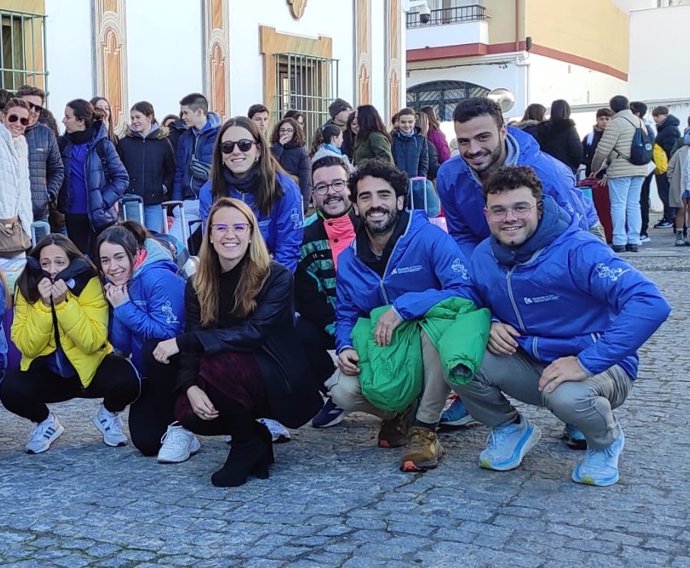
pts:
[391, 377]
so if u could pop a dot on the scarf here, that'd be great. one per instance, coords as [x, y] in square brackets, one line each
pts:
[246, 184]
[80, 136]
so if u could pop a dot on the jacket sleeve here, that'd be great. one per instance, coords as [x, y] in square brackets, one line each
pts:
[607, 143]
[188, 372]
[311, 300]
[55, 170]
[304, 174]
[205, 203]
[574, 148]
[423, 166]
[169, 169]
[117, 178]
[439, 140]
[460, 233]
[84, 318]
[25, 209]
[639, 306]
[163, 315]
[251, 333]
[288, 218]
[180, 165]
[277, 151]
[672, 164]
[120, 335]
[346, 315]
[32, 327]
[380, 147]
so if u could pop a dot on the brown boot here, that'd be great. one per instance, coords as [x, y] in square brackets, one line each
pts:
[393, 432]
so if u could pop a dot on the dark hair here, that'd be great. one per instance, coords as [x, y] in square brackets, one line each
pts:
[560, 110]
[381, 170]
[478, 106]
[46, 117]
[395, 118]
[661, 109]
[369, 121]
[31, 91]
[257, 108]
[327, 162]
[15, 102]
[99, 114]
[608, 112]
[145, 108]
[84, 111]
[28, 280]
[513, 177]
[330, 131]
[638, 107]
[297, 135]
[407, 110]
[535, 111]
[434, 124]
[619, 103]
[5, 96]
[195, 101]
[175, 117]
[130, 235]
[292, 113]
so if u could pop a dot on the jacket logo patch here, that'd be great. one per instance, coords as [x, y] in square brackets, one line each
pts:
[406, 269]
[167, 310]
[541, 299]
[612, 274]
[296, 218]
[459, 268]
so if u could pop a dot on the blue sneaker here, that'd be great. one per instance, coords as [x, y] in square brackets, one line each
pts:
[328, 416]
[574, 438]
[456, 415]
[600, 467]
[508, 444]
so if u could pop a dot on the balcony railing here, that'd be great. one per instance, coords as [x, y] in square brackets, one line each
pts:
[474, 13]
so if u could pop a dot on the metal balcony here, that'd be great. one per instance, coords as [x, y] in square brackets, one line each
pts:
[460, 14]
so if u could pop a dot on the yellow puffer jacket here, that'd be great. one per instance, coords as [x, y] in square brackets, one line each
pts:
[82, 325]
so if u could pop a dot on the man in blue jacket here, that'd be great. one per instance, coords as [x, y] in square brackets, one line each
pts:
[397, 258]
[569, 316]
[485, 144]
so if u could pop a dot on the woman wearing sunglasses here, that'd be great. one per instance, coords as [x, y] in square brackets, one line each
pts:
[287, 146]
[239, 356]
[243, 168]
[16, 213]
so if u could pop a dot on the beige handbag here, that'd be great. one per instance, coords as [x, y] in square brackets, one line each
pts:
[13, 238]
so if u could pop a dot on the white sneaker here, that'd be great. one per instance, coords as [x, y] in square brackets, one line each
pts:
[110, 426]
[179, 444]
[279, 433]
[44, 434]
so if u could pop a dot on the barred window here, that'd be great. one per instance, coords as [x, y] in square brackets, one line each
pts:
[443, 96]
[22, 50]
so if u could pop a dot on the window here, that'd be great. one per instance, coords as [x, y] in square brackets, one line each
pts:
[443, 96]
[22, 54]
[308, 84]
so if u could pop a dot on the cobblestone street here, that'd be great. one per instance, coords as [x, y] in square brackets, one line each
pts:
[335, 499]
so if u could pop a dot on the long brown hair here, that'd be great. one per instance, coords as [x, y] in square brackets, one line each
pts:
[269, 191]
[430, 113]
[254, 270]
[297, 134]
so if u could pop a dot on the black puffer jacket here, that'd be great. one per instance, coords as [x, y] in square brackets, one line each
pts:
[295, 161]
[561, 140]
[667, 133]
[45, 168]
[150, 163]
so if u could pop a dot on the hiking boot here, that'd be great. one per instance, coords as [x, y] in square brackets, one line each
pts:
[680, 240]
[328, 416]
[574, 438]
[110, 425]
[456, 414]
[423, 450]
[279, 433]
[393, 432]
[600, 467]
[44, 434]
[178, 444]
[508, 444]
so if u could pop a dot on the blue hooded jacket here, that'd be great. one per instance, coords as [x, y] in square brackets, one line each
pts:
[572, 297]
[155, 309]
[281, 229]
[425, 267]
[198, 144]
[463, 201]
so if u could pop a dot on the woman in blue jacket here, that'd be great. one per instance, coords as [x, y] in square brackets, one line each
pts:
[243, 168]
[147, 300]
[287, 146]
[95, 178]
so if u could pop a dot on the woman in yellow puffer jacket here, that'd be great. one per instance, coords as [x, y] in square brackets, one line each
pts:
[61, 330]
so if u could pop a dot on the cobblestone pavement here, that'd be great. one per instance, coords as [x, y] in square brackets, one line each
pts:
[335, 499]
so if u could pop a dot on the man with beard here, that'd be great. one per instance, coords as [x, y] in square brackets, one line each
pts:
[398, 258]
[324, 239]
[485, 144]
[569, 316]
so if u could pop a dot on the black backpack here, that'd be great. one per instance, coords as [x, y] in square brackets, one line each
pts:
[641, 147]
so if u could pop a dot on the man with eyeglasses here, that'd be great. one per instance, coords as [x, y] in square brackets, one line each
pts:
[569, 316]
[46, 169]
[326, 234]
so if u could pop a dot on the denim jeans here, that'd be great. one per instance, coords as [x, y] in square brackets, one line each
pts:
[153, 218]
[624, 193]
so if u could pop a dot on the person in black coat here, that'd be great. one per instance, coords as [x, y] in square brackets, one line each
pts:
[287, 146]
[409, 147]
[239, 358]
[591, 141]
[149, 158]
[558, 136]
[667, 133]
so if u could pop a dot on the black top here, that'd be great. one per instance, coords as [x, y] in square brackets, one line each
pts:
[378, 263]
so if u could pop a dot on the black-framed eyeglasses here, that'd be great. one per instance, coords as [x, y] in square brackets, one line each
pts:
[519, 211]
[286, 130]
[35, 107]
[244, 145]
[338, 186]
[12, 118]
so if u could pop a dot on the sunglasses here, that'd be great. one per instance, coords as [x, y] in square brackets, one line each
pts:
[32, 106]
[244, 145]
[14, 118]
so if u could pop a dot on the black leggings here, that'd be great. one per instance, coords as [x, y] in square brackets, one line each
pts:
[26, 393]
[317, 343]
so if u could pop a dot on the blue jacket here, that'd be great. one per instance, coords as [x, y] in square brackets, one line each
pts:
[198, 144]
[425, 268]
[3, 337]
[410, 153]
[106, 179]
[463, 201]
[574, 297]
[281, 229]
[155, 309]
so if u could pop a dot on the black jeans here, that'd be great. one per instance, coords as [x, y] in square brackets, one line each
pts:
[644, 204]
[26, 393]
[80, 232]
[663, 187]
[316, 344]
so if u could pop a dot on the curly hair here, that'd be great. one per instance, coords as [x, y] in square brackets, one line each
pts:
[513, 177]
[381, 170]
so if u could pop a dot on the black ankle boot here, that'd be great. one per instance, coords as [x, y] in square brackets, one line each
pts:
[245, 458]
[265, 436]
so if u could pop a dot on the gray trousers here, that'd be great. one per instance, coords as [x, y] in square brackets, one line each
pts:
[587, 404]
[346, 392]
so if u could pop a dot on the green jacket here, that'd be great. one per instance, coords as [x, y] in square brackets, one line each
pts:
[376, 145]
[391, 377]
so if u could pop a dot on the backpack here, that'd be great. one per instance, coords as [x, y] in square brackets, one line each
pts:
[641, 148]
[660, 160]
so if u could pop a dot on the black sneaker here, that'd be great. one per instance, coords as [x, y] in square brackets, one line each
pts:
[663, 224]
[632, 248]
[618, 248]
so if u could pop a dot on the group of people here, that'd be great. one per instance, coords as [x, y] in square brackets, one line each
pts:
[520, 297]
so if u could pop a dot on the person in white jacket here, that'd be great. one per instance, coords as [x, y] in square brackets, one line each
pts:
[15, 197]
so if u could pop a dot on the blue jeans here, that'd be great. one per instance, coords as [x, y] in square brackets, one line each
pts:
[153, 218]
[624, 193]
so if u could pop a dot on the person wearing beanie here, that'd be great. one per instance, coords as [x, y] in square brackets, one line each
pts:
[339, 110]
